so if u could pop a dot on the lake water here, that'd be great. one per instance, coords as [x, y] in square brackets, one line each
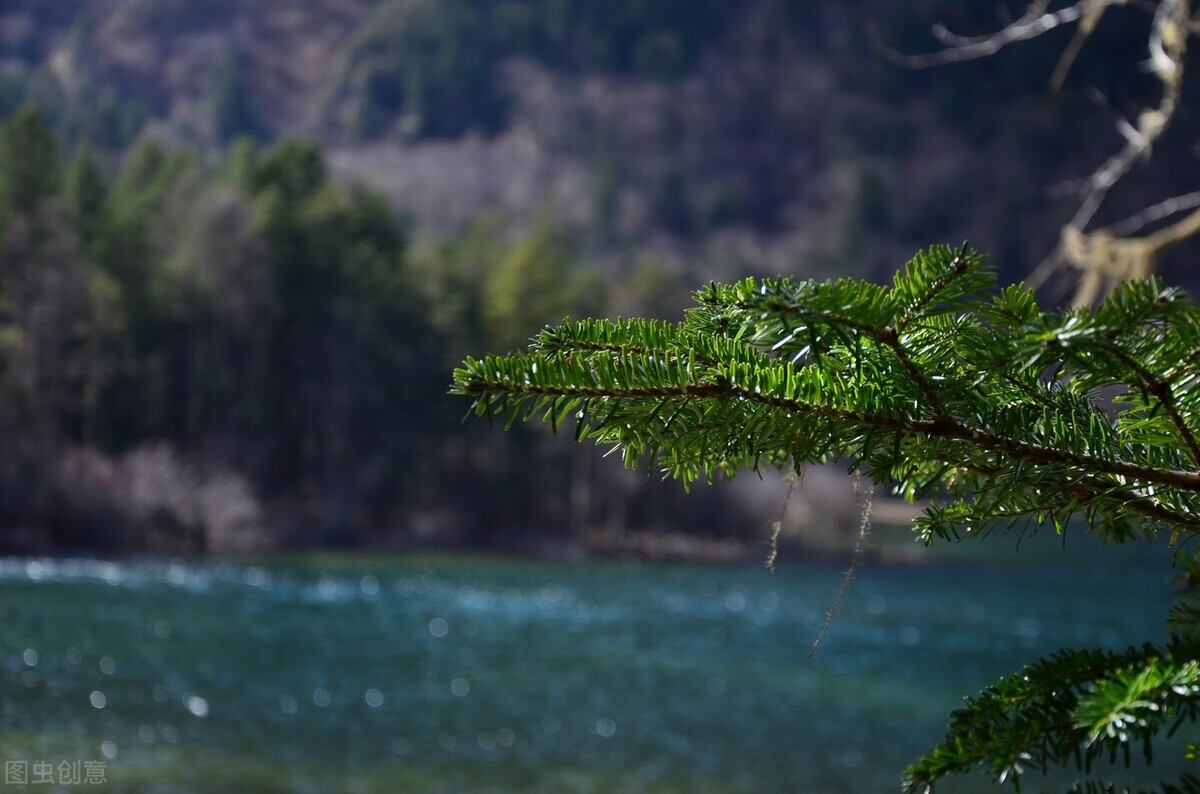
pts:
[448, 675]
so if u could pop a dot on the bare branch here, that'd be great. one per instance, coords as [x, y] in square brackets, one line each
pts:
[1155, 213]
[1168, 39]
[1105, 256]
[950, 39]
[1175, 233]
[1087, 25]
[1032, 24]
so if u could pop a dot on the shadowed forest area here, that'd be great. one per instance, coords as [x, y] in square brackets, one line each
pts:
[243, 245]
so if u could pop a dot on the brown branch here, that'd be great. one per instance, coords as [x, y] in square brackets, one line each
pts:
[941, 427]
[889, 336]
[1162, 392]
[1146, 506]
[1034, 453]
[959, 268]
[891, 339]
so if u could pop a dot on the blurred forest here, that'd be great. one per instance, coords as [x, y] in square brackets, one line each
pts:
[242, 245]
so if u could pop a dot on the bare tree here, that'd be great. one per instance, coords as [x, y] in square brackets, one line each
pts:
[1101, 256]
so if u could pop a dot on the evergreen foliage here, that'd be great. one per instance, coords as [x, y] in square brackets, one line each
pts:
[531, 284]
[257, 316]
[28, 164]
[246, 319]
[999, 413]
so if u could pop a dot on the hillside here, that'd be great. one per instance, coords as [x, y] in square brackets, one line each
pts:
[699, 132]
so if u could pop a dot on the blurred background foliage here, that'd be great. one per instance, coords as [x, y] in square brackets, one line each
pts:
[242, 244]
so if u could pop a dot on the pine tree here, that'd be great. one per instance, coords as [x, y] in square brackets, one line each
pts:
[996, 412]
[29, 165]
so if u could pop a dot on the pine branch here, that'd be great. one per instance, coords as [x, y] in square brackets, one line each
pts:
[1001, 414]
[514, 380]
[813, 371]
[1076, 706]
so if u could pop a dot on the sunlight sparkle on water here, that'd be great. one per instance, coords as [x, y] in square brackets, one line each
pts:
[197, 705]
[256, 577]
[647, 673]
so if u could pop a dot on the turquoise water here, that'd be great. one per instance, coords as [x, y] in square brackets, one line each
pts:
[491, 675]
